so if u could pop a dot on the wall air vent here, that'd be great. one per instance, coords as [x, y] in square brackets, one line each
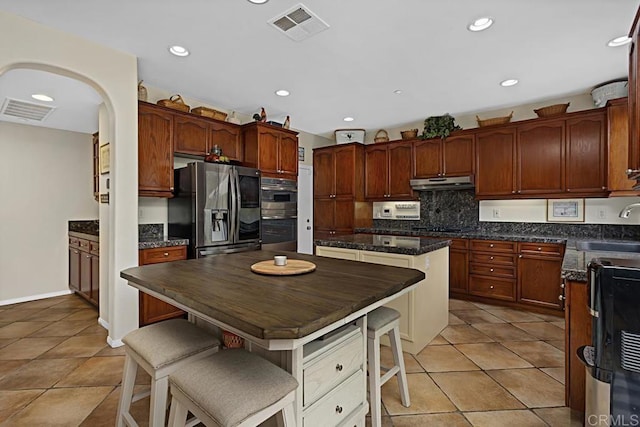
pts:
[25, 110]
[298, 23]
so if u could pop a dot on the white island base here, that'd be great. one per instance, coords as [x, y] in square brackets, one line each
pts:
[425, 310]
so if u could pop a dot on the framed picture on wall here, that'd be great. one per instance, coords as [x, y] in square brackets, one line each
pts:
[565, 210]
[104, 158]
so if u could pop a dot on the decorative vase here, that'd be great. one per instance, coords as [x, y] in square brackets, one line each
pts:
[233, 119]
[142, 92]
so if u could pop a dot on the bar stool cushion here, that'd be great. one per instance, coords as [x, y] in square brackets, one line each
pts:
[380, 317]
[166, 342]
[232, 385]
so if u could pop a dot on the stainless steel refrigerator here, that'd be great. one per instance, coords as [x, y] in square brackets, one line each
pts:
[217, 207]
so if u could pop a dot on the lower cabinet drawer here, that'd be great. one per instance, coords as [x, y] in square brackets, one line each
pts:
[338, 404]
[332, 368]
[156, 255]
[492, 287]
[493, 270]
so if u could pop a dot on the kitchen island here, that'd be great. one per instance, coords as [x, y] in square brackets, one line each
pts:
[424, 311]
[317, 319]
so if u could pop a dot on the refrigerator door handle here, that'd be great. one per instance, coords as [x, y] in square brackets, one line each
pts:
[235, 205]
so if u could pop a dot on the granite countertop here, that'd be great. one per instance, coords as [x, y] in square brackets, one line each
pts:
[150, 235]
[466, 234]
[407, 245]
[575, 262]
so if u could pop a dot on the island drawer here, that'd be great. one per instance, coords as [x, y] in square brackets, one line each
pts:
[332, 367]
[493, 270]
[542, 249]
[490, 258]
[156, 255]
[493, 246]
[336, 406]
[492, 287]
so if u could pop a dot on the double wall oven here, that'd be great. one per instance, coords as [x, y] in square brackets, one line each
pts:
[279, 210]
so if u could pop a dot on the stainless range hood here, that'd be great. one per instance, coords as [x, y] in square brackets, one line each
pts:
[443, 183]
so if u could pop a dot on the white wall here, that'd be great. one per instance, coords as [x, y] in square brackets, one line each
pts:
[596, 211]
[46, 179]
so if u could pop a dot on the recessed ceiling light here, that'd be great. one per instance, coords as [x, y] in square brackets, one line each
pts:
[258, 1]
[619, 41]
[42, 97]
[348, 119]
[282, 92]
[397, 91]
[509, 82]
[179, 50]
[480, 24]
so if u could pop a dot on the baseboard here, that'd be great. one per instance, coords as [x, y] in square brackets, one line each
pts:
[35, 297]
[103, 323]
[114, 343]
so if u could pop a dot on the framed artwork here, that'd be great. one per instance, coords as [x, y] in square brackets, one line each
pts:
[565, 210]
[104, 158]
[301, 154]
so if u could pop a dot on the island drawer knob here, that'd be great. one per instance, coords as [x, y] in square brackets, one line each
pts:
[338, 409]
[539, 249]
[491, 245]
[490, 257]
[491, 270]
[166, 254]
[491, 287]
[339, 367]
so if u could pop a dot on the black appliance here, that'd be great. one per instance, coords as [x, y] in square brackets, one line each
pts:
[217, 207]
[613, 360]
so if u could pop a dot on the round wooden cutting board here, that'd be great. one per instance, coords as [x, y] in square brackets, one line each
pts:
[294, 266]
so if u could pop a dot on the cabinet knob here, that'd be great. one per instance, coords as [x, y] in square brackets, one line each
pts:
[562, 285]
[539, 249]
[561, 297]
[88, 256]
[491, 245]
[75, 252]
[513, 192]
[491, 270]
[338, 409]
[166, 254]
[519, 256]
[518, 191]
[490, 257]
[491, 287]
[339, 367]
[604, 188]
[568, 189]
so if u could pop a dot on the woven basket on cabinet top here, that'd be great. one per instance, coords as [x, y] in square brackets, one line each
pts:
[552, 110]
[381, 136]
[176, 102]
[494, 121]
[409, 134]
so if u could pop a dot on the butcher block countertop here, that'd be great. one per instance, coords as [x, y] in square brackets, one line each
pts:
[224, 288]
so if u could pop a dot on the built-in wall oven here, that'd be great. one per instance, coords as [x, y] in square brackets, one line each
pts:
[279, 210]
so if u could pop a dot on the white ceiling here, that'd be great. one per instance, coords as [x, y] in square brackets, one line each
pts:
[373, 47]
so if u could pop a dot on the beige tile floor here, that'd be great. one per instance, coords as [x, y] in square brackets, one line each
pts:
[491, 366]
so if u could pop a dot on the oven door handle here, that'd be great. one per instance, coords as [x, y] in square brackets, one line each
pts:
[279, 188]
[281, 217]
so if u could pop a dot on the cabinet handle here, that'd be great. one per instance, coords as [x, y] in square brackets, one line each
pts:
[88, 256]
[519, 256]
[561, 297]
[166, 254]
[632, 171]
[491, 287]
[339, 367]
[338, 409]
[75, 252]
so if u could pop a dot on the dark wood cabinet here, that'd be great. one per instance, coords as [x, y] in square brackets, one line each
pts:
[586, 154]
[388, 170]
[227, 137]
[459, 266]
[495, 162]
[539, 268]
[84, 266]
[578, 333]
[492, 269]
[271, 149]
[338, 180]
[151, 309]
[618, 183]
[155, 151]
[190, 135]
[540, 158]
[453, 156]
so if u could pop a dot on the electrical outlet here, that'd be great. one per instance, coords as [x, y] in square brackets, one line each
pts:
[602, 214]
[496, 213]
[140, 213]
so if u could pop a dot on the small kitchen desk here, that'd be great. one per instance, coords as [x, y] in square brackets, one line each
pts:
[278, 312]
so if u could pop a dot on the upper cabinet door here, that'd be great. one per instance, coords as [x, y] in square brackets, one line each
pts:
[190, 135]
[457, 153]
[427, 158]
[376, 170]
[288, 155]
[227, 137]
[541, 158]
[345, 172]
[634, 102]
[268, 151]
[586, 154]
[495, 167]
[324, 172]
[155, 152]
[399, 173]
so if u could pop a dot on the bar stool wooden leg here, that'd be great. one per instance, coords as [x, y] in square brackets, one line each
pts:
[396, 348]
[375, 384]
[126, 392]
[158, 407]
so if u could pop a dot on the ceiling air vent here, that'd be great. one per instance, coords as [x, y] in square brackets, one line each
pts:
[25, 110]
[299, 23]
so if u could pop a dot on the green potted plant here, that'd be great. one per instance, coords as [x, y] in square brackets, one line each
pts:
[441, 126]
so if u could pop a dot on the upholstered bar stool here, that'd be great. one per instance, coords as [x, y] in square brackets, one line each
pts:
[159, 349]
[232, 388]
[381, 321]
